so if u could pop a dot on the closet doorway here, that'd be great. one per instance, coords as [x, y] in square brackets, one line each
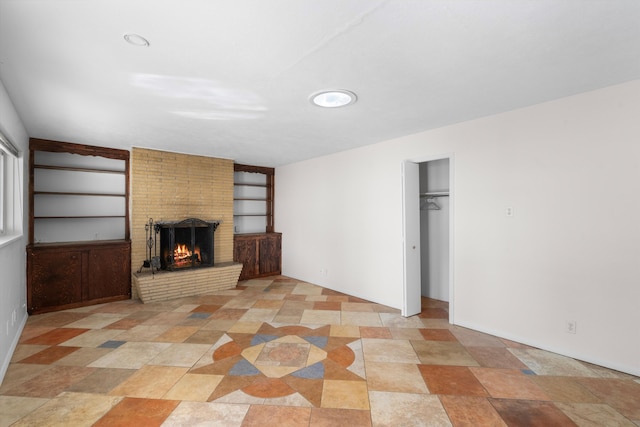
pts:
[435, 213]
[428, 211]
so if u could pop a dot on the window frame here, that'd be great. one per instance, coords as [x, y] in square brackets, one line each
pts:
[4, 202]
[11, 190]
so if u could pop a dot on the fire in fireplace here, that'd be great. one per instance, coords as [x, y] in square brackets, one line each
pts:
[187, 243]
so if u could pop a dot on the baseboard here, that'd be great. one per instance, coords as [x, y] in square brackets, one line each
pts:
[12, 349]
[604, 363]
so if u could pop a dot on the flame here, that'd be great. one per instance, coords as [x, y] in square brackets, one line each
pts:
[182, 254]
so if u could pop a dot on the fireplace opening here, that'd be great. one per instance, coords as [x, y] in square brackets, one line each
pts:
[186, 244]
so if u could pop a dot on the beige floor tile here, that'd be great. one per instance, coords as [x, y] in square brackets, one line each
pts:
[187, 308]
[306, 289]
[167, 318]
[316, 298]
[259, 315]
[320, 317]
[177, 334]
[194, 387]
[345, 394]
[287, 319]
[272, 303]
[546, 363]
[131, 355]
[443, 353]
[294, 399]
[18, 373]
[471, 338]
[245, 327]
[564, 389]
[396, 377]
[207, 414]
[23, 351]
[407, 410]
[12, 408]
[345, 331]
[391, 351]
[141, 333]
[70, 409]
[357, 367]
[436, 323]
[182, 355]
[96, 321]
[240, 397]
[357, 306]
[240, 303]
[92, 338]
[594, 415]
[48, 383]
[361, 318]
[151, 382]
[83, 356]
[508, 384]
[405, 334]
[218, 325]
[102, 380]
[394, 320]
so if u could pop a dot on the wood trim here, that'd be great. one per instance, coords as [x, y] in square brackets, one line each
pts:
[237, 167]
[31, 193]
[127, 189]
[82, 149]
[270, 202]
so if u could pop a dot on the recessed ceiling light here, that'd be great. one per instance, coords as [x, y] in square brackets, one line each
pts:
[136, 40]
[333, 98]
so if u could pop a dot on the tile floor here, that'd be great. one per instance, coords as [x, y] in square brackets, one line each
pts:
[279, 352]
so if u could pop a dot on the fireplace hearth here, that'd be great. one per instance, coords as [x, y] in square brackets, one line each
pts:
[186, 244]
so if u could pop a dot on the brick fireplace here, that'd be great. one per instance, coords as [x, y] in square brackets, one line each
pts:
[169, 186]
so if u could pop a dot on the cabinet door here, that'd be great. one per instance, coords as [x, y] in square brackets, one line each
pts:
[270, 253]
[55, 279]
[109, 273]
[245, 252]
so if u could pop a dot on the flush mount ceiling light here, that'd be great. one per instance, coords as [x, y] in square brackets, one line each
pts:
[136, 40]
[333, 98]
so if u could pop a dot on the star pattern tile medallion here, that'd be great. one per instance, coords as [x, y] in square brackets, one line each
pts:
[281, 361]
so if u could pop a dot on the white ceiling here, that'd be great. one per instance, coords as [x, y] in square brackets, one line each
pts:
[232, 78]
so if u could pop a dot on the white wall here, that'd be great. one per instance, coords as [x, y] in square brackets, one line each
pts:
[13, 296]
[570, 169]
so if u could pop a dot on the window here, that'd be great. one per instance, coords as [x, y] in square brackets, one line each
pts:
[3, 202]
[10, 191]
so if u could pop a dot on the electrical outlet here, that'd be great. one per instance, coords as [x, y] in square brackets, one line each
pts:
[509, 211]
[571, 326]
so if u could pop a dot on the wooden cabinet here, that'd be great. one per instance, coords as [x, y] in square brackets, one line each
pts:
[79, 251]
[63, 276]
[260, 253]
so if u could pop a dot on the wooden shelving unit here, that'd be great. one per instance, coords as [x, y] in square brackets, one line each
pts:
[256, 245]
[79, 251]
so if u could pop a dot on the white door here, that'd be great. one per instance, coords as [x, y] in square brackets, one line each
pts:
[411, 236]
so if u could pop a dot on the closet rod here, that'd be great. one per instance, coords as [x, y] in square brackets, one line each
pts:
[435, 194]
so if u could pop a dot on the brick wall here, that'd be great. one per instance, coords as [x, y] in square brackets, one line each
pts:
[169, 186]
